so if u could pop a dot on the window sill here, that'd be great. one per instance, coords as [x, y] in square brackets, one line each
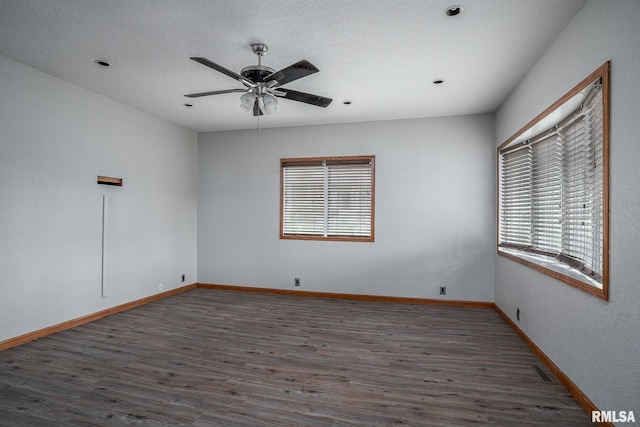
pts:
[551, 267]
[326, 238]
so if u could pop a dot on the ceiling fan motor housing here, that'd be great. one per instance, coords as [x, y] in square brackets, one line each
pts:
[256, 73]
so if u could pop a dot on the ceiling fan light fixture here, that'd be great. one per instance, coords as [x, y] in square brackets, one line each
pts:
[266, 110]
[270, 101]
[247, 100]
[267, 104]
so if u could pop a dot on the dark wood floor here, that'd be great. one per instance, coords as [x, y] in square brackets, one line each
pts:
[224, 358]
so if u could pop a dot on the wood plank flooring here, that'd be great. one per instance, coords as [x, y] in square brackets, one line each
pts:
[225, 358]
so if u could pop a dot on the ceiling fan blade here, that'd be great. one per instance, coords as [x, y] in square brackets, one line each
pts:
[308, 98]
[292, 72]
[214, 92]
[223, 70]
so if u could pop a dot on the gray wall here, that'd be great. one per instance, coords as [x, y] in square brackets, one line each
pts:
[434, 223]
[55, 138]
[596, 343]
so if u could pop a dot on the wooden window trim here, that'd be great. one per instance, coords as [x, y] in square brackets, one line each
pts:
[333, 160]
[603, 73]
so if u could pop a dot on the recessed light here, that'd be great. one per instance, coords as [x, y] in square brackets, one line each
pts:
[346, 102]
[188, 105]
[454, 10]
[102, 63]
[438, 82]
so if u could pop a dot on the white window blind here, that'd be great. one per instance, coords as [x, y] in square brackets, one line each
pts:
[583, 208]
[515, 198]
[304, 199]
[349, 200]
[547, 194]
[551, 191]
[328, 198]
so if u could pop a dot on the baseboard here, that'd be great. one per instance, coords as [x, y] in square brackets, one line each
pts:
[580, 397]
[41, 333]
[358, 297]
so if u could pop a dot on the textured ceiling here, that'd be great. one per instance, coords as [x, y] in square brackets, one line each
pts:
[382, 55]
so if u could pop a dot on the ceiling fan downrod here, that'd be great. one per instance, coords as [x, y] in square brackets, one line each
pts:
[259, 49]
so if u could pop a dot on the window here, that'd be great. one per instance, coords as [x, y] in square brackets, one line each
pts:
[327, 198]
[553, 182]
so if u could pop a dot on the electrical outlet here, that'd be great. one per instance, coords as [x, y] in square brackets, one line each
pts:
[518, 313]
[160, 286]
[182, 278]
[443, 290]
[296, 281]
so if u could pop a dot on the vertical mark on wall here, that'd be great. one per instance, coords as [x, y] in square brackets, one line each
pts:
[105, 228]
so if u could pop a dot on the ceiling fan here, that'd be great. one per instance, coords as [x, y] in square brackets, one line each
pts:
[263, 85]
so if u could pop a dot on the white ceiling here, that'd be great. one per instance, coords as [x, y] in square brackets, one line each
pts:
[380, 54]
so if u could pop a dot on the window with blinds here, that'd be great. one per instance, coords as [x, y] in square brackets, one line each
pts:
[553, 201]
[328, 198]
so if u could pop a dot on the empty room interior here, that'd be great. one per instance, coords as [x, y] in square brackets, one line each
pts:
[300, 213]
